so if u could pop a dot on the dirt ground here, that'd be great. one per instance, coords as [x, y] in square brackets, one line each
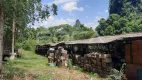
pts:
[60, 74]
[65, 74]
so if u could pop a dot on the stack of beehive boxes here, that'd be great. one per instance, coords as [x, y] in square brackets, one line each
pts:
[96, 62]
[87, 63]
[106, 63]
[93, 62]
[61, 58]
[80, 61]
[76, 59]
[50, 57]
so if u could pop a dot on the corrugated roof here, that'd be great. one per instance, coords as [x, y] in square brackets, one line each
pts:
[105, 39]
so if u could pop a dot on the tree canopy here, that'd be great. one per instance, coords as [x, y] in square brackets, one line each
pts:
[125, 17]
[64, 32]
[15, 15]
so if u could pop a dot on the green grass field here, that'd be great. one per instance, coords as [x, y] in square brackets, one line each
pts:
[29, 64]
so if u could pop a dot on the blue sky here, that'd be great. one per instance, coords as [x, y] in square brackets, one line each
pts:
[87, 11]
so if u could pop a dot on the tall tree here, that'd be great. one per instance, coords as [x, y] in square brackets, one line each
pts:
[20, 13]
[1, 32]
[77, 23]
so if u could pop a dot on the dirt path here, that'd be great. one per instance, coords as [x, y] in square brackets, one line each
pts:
[65, 74]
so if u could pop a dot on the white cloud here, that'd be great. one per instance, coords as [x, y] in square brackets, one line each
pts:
[52, 21]
[58, 22]
[72, 6]
[94, 23]
[106, 11]
[62, 1]
[51, 18]
[71, 20]
[98, 18]
[68, 5]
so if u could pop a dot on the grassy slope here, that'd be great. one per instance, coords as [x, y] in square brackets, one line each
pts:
[34, 67]
[29, 63]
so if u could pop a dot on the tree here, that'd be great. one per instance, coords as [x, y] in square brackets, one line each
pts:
[20, 13]
[115, 24]
[124, 7]
[77, 23]
[1, 32]
[65, 32]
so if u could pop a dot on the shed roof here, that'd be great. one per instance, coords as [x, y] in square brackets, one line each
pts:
[105, 39]
[54, 44]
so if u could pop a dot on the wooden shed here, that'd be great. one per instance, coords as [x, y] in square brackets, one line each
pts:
[124, 48]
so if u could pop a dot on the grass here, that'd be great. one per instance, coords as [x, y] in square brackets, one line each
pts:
[29, 63]
[34, 67]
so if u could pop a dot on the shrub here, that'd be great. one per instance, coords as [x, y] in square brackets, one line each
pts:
[29, 45]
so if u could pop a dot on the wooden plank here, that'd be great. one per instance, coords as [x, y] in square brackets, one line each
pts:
[131, 71]
[127, 53]
[137, 51]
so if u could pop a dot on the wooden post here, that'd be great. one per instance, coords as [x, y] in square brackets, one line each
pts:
[13, 39]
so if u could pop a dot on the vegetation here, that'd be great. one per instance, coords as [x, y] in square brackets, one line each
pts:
[27, 64]
[117, 75]
[124, 18]
[64, 32]
[15, 15]
[34, 67]
[122, 6]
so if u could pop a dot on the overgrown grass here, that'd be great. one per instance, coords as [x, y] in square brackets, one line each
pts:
[36, 66]
[29, 63]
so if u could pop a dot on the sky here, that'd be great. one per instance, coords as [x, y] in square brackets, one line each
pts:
[87, 11]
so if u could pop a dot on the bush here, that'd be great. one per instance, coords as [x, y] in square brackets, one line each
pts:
[29, 45]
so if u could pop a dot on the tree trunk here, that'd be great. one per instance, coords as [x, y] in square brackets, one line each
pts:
[13, 39]
[1, 36]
